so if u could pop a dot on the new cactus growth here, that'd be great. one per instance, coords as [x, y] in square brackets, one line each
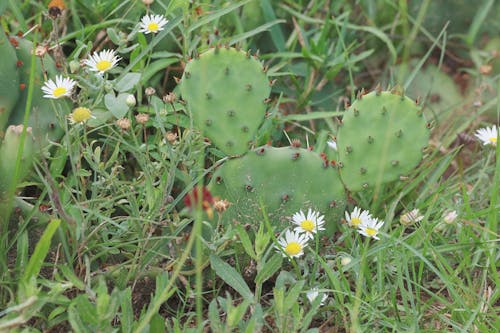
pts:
[225, 90]
[9, 84]
[8, 156]
[381, 138]
[284, 180]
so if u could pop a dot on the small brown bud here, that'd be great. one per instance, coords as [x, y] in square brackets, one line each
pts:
[485, 69]
[169, 98]
[171, 137]
[221, 205]
[123, 123]
[142, 118]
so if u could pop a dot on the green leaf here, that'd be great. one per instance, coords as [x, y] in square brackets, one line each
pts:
[116, 105]
[231, 277]
[269, 268]
[214, 316]
[245, 241]
[157, 324]
[127, 82]
[41, 250]
[127, 314]
[293, 295]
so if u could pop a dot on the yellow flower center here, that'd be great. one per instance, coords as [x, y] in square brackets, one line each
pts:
[307, 225]
[355, 221]
[153, 27]
[293, 248]
[81, 115]
[103, 65]
[493, 141]
[371, 232]
[59, 91]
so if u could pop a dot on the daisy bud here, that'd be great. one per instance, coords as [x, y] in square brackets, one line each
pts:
[148, 2]
[130, 101]
[450, 217]
[74, 66]
[150, 91]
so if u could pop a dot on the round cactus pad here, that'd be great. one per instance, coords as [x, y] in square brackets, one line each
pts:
[381, 138]
[284, 181]
[225, 90]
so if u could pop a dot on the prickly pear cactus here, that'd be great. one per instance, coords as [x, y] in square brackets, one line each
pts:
[43, 116]
[8, 156]
[381, 138]
[9, 82]
[225, 90]
[284, 180]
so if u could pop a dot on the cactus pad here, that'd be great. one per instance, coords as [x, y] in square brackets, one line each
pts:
[381, 138]
[43, 115]
[284, 180]
[225, 90]
[9, 84]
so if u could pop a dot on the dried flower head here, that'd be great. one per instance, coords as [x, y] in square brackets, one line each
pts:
[123, 123]
[142, 118]
[169, 98]
[221, 205]
[171, 137]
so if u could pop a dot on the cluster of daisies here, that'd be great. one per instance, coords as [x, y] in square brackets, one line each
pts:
[100, 63]
[293, 242]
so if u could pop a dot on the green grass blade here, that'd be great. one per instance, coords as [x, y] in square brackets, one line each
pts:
[42, 248]
[227, 273]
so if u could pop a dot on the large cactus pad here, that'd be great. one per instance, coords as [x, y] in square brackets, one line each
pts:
[284, 180]
[225, 91]
[381, 138]
[9, 82]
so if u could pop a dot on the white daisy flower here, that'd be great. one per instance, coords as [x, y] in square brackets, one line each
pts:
[332, 144]
[309, 224]
[411, 217]
[63, 87]
[80, 115]
[370, 227]
[152, 23]
[292, 244]
[357, 217]
[450, 217]
[313, 294]
[102, 61]
[487, 135]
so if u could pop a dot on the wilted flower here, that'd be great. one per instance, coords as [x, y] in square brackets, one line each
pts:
[314, 293]
[80, 115]
[450, 217]
[411, 217]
